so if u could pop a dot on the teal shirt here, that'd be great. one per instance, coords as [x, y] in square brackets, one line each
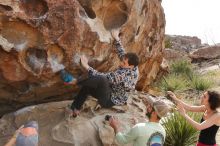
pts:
[141, 134]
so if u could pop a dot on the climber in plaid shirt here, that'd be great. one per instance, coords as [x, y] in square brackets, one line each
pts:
[123, 79]
[109, 88]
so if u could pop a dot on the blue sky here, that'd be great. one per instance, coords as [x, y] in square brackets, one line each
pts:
[193, 18]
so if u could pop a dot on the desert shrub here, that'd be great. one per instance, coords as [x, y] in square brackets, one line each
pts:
[183, 67]
[173, 82]
[178, 131]
[200, 83]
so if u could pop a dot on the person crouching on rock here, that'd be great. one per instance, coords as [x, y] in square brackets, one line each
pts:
[150, 133]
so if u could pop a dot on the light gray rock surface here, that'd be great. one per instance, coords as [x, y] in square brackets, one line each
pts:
[88, 129]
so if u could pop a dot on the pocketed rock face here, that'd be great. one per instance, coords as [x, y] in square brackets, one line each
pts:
[88, 129]
[44, 36]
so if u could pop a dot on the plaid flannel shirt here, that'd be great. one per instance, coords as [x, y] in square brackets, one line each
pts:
[122, 80]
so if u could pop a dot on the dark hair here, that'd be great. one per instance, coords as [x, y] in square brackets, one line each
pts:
[132, 59]
[108, 117]
[214, 99]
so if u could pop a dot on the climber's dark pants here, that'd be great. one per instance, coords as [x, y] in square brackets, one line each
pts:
[97, 87]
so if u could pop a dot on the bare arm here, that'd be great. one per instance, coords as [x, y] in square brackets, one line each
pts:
[114, 123]
[91, 71]
[11, 142]
[119, 48]
[213, 120]
[185, 105]
[123, 138]
[200, 126]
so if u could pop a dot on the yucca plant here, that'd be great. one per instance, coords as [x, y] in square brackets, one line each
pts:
[173, 82]
[178, 131]
[183, 67]
[200, 83]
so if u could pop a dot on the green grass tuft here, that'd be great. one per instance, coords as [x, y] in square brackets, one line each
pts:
[173, 82]
[200, 83]
[182, 67]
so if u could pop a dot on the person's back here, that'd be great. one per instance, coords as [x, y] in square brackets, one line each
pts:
[154, 130]
[26, 135]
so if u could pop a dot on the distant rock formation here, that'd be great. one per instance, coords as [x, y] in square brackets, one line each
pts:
[179, 47]
[185, 43]
[40, 37]
[89, 129]
[206, 57]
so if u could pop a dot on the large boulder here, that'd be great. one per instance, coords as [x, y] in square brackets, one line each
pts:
[172, 55]
[88, 129]
[207, 58]
[40, 37]
[206, 53]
